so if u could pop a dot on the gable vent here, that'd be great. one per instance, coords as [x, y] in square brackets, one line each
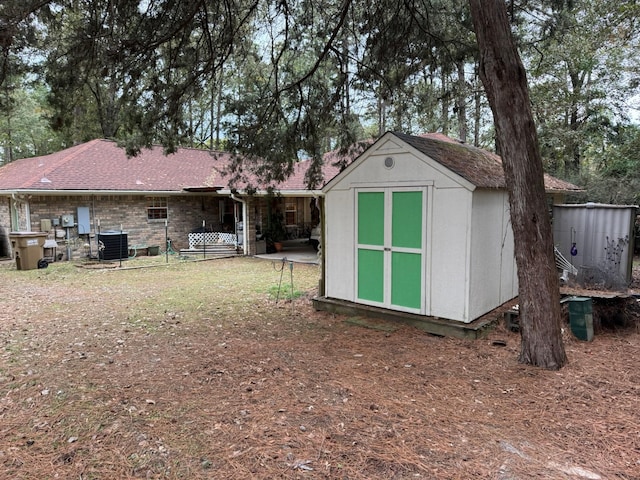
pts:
[389, 162]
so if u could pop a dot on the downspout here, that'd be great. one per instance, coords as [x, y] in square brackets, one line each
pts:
[323, 245]
[245, 237]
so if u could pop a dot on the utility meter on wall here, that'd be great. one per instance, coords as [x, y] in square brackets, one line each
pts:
[67, 221]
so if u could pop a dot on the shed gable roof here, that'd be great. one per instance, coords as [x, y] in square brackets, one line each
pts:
[480, 167]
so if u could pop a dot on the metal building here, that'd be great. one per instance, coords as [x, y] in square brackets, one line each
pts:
[597, 239]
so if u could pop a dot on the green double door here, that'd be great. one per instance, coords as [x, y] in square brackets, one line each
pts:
[390, 248]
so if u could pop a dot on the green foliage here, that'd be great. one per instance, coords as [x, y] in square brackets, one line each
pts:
[24, 127]
[285, 291]
[614, 176]
[275, 230]
[579, 56]
[279, 82]
[622, 159]
[608, 190]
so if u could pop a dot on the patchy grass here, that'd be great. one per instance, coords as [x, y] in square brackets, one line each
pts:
[285, 291]
[191, 370]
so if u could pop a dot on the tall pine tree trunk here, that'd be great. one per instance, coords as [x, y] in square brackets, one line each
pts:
[477, 100]
[461, 102]
[505, 82]
[444, 94]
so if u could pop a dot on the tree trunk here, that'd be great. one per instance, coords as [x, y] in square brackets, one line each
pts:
[477, 97]
[219, 105]
[444, 93]
[461, 102]
[382, 116]
[505, 82]
[572, 145]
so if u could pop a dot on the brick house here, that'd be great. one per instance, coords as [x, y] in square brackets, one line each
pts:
[94, 187]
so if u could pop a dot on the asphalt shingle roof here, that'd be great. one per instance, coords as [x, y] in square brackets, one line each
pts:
[480, 167]
[101, 165]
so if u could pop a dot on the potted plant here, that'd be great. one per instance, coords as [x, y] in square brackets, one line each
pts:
[275, 232]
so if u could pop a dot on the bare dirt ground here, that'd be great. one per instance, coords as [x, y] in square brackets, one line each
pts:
[193, 371]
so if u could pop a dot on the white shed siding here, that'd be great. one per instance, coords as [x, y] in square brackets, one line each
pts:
[447, 230]
[409, 170]
[338, 250]
[449, 273]
[469, 255]
[492, 257]
[509, 273]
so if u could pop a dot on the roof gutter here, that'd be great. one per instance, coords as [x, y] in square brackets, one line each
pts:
[202, 189]
[278, 193]
[154, 193]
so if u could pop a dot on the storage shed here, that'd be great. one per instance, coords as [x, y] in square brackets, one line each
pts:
[598, 240]
[420, 224]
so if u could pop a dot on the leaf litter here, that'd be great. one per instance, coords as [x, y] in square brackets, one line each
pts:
[193, 371]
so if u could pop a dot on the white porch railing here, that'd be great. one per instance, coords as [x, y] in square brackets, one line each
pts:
[211, 238]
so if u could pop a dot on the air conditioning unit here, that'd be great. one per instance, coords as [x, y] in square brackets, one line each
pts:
[67, 221]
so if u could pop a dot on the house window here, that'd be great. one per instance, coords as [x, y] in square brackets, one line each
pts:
[157, 208]
[290, 214]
